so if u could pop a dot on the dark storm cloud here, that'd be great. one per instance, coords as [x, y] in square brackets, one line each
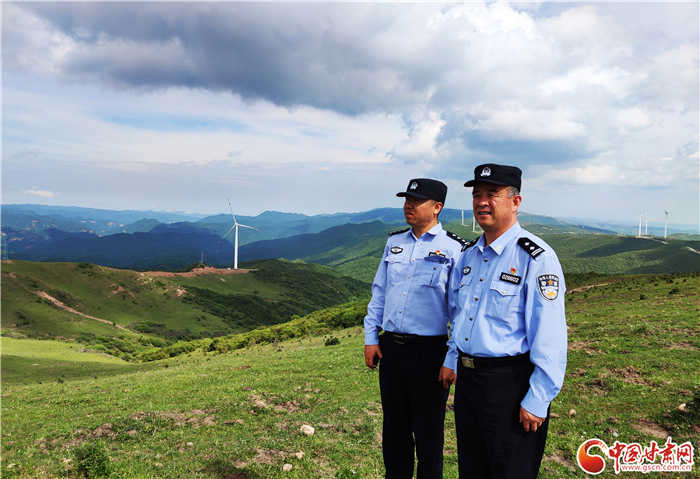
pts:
[289, 54]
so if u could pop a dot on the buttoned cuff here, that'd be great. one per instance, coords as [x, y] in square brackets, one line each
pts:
[534, 406]
[451, 360]
[371, 339]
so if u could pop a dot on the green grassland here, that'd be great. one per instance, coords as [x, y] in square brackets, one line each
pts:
[219, 412]
[30, 361]
[139, 311]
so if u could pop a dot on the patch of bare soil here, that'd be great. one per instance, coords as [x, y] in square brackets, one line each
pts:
[584, 288]
[588, 348]
[630, 375]
[103, 430]
[268, 456]
[289, 406]
[683, 345]
[72, 311]
[560, 459]
[648, 426]
[120, 289]
[196, 272]
[238, 475]
[178, 419]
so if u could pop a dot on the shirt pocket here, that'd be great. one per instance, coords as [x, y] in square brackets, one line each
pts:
[434, 271]
[396, 267]
[504, 301]
[462, 290]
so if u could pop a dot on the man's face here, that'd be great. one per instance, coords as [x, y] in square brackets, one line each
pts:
[494, 211]
[419, 211]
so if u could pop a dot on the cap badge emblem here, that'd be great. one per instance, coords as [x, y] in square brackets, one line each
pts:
[413, 186]
[486, 171]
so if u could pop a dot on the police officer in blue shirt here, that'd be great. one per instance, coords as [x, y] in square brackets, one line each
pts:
[508, 344]
[409, 303]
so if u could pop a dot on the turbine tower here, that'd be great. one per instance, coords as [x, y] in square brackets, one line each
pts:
[235, 226]
[640, 223]
[646, 225]
[666, 219]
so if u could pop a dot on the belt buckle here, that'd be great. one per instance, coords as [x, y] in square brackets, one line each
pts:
[399, 338]
[467, 362]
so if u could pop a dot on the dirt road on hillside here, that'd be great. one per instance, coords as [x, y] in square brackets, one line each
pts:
[71, 310]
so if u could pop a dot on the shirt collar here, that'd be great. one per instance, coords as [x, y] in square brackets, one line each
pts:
[500, 243]
[432, 231]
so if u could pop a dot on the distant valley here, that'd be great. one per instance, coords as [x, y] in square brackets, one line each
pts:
[351, 243]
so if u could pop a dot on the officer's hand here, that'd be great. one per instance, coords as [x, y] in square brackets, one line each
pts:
[529, 421]
[372, 351]
[447, 376]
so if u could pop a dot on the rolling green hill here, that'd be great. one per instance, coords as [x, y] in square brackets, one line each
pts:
[125, 312]
[357, 253]
[233, 407]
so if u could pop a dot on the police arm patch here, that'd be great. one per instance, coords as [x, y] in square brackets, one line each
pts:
[548, 284]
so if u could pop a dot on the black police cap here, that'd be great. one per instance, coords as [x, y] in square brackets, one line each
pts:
[497, 174]
[427, 189]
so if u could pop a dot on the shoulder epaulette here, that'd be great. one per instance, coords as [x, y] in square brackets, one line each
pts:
[458, 239]
[470, 244]
[399, 232]
[532, 248]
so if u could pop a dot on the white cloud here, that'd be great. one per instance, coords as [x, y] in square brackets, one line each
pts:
[516, 121]
[632, 118]
[420, 145]
[43, 193]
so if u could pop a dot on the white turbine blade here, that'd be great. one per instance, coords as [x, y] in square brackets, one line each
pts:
[224, 236]
[248, 227]
[231, 208]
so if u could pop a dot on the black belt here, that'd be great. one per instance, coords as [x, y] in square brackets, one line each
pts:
[473, 362]
[400, 338]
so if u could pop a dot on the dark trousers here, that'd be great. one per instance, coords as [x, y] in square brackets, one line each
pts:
[413, 402]
[491, 442]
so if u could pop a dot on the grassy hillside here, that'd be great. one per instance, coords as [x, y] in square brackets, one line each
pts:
[126, 312]
[237, 413]
[624, 254]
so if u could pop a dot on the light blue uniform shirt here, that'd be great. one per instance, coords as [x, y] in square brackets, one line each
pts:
[507, 299]
[409, 293]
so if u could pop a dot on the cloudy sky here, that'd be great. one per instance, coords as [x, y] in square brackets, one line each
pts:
[327, 107]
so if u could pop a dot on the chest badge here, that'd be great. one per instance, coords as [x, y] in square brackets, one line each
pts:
[396, 249]
[548, 286]
[466, 270]
[437, 253]
[510, 278]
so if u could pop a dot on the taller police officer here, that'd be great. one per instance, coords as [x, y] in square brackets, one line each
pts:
[409, 303]
[508, 344]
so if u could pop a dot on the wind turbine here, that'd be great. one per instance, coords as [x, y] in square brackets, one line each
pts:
[640, 224]
[666, 219]
[235, 226]
[473, 221]
[646, 225]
